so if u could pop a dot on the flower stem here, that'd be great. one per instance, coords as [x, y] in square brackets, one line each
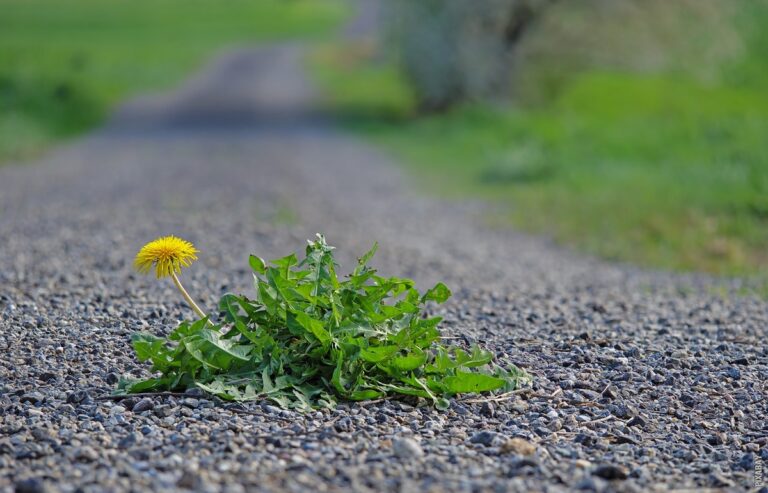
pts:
[187, 297]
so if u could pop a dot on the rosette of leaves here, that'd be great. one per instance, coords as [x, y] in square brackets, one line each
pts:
[308, 339]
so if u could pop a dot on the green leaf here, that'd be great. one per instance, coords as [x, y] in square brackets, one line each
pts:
[339, 382]
[404, 389]
[378, 354]
[440, 293]
[232, 349]
[152, 348]
[478, 357]
[210, 349]
[442, 362]
[363, 261]
[314, 327]
[282, 286]
[364, 395]
[268, 297]
[222, 390]
[266, 382]
[148, 385]
[284, 264]
[466, 382]
[257, 264]
[442, 404]
[410, 361]
[230, 305]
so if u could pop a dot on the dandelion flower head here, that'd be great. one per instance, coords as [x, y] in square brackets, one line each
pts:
[167, 255]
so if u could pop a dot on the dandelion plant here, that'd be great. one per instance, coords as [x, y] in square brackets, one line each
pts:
[307, 338]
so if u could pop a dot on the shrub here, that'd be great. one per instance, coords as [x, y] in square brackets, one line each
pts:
[455, 50]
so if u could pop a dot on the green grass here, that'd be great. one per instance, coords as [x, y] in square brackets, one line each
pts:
[65, 63]
[655, 169]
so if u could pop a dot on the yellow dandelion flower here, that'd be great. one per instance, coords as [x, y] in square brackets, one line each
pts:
[167, 255]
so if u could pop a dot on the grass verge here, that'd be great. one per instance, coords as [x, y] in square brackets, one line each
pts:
[655, 169]
[64, 63]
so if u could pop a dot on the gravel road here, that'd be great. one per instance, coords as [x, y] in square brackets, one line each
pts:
[642, 381]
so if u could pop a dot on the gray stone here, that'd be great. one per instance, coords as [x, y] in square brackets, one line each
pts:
[145, 404]
[407, 448]
[484, 438]
[610, 472]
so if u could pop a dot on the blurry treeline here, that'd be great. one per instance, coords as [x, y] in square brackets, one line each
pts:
[634, 129]
[457, 50]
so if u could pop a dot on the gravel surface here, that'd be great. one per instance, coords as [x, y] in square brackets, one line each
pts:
[642, 380]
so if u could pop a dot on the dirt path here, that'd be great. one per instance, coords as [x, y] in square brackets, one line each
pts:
[642, 380]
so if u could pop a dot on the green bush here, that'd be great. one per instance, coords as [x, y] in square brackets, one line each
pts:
[457, 50]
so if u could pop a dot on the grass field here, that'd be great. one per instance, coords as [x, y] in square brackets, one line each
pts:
[658, 169]
[65, 63]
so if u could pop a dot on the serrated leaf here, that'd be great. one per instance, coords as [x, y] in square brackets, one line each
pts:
[152, 348]
[468, 382]
[284, 264]
[409, 361]
[222, 390]
[378, 354]
[478, 357]
[210, 349]
[232, 349]
[363, 261]
[440, 293]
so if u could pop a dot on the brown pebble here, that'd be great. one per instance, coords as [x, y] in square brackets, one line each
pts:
[518, 446]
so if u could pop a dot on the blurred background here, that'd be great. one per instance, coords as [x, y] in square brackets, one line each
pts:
[636, 130]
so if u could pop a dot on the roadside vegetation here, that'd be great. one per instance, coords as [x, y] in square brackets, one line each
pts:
[635, 139]
[65, 63]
